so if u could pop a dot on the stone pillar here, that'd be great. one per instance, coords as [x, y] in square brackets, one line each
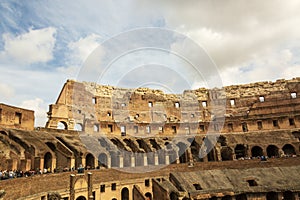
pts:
[72, 184]
[108, 161]
[145, 159]
[53, 164]
[28, 165]
[41, 163]
[132, 160]
[156, 159]
[90, 186]
[72, 163]
[83, 161]
[189, 155]
[121, 161]
[280, 196]
[167, 157]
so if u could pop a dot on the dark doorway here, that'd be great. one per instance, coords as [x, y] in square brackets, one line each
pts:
[240, 151]
[256, 151]
[226, 153]
[48, 161]
[272, 151]
[125, 194]
[289, 150]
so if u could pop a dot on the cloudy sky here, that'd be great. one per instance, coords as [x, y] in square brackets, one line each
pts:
[44, 43]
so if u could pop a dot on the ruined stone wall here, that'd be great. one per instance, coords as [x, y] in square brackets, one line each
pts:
[14, 117]
[146, 112]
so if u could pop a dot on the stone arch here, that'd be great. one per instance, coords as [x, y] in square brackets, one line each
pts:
[81, 198]
[288, 195]
[226, 153]
[256, 151]
[227, 197]
[195, 151]
[48, 160]
[272, 151]
[289, 150]
[62, 125]
[182, 152]
[271, 196]
[89, 161]
[173, 196]
[103, 160]
[210, 150]
[125, 194]
[241, 197]
[148, 196]
[78, 127]
[172, 156]
[240, 151]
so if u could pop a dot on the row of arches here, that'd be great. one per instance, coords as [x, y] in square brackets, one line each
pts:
[240, 151]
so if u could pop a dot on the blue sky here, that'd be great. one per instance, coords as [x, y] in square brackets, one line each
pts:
[44, 43]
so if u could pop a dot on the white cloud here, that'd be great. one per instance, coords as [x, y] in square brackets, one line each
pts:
[39, 107]
[31, 47]
[6, 92]
[82, 48]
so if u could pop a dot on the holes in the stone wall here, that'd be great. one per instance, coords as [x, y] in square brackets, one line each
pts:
[18, 118]
[244, 127]
[291, 121]
[113, 186]
[261, 99]
[197, 186]
[275, 123]
[293, 95]
[96, 128]
[202, 127]
[204, 104]
[110, 127]
[147, 182]
[230, 127]
[102, 188]
[150, 104]
[232, 102]
[259, 125]
[252, 183]
[94, 100]
[177, 104]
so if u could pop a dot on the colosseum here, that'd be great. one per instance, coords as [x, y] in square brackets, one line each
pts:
[237, 142]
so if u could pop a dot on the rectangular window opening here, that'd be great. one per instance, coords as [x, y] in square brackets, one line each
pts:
[245, 127]
[232, 102]
[18, 118]
[174, 129]
[113, 186]
[202, 128]
[259, 125]
[110, 128]
[150, 104]
[291, 121]
[275, 123]
[147, 182]
[148, 129]
[94, 100]
[204, 103]
[294, 95]
[102, 188]
[230, 127]
[136, 129]
[261, 99]
[177, 105]
[123, 130]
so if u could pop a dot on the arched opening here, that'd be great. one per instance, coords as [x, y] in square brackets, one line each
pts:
[125, 194]
[226, 153]
[240, 151]
[139, 159]
[89, 161]
[115, 159]
[148, 196]
[126, 158]
[195, 151]
[173, 196]
[102, 160]
[182, 152]
[172, 156]
[48, 161]
[289, 150]
[241, 197]
[161, 156]
[78, 127]
[227, 197]
[272, 151]
[256, 151]
[62, 125]
[81, 198]
[288, 195]
[272, 196]
[210, 150]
